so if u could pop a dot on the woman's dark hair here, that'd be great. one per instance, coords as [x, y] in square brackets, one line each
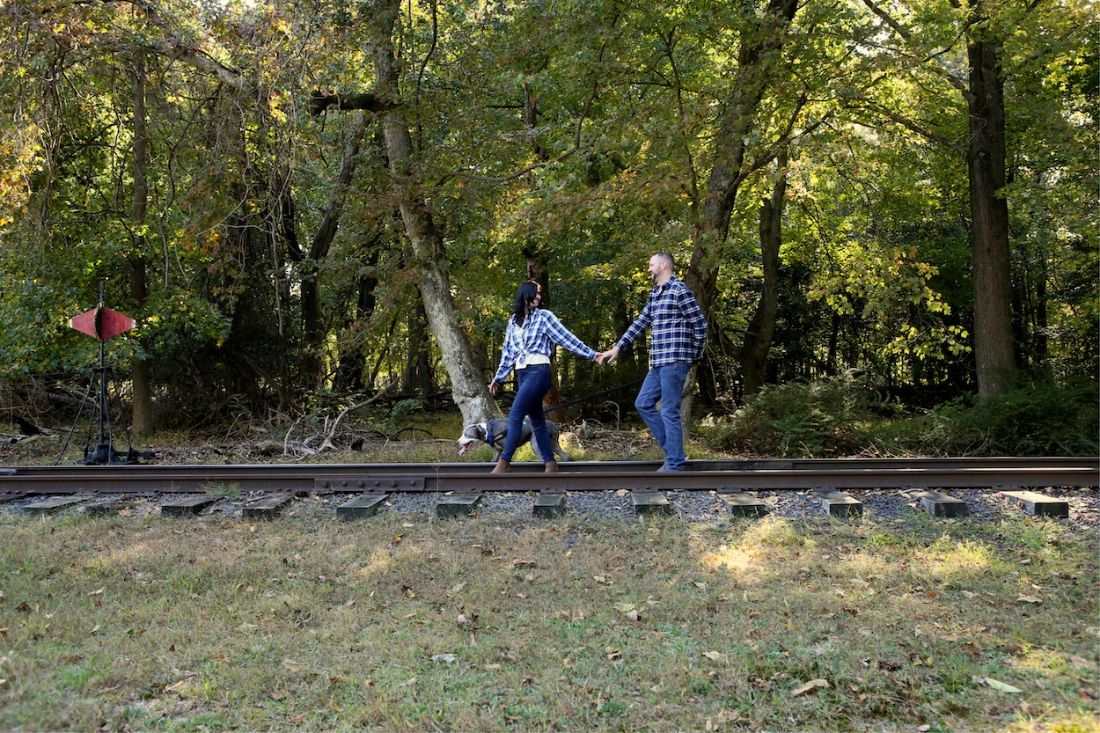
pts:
[526, 293]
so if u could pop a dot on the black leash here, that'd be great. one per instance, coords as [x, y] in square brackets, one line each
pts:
[592, 396]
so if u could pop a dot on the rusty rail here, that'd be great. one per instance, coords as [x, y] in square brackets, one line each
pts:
[761, 474]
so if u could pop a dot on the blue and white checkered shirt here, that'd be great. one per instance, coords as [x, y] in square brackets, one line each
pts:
[534, 337]
[679, 326]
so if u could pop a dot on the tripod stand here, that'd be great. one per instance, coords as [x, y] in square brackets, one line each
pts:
[102, 323]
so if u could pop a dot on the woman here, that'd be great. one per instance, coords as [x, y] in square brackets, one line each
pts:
[527, 348]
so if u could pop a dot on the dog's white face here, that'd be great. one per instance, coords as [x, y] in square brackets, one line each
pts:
[471, 436]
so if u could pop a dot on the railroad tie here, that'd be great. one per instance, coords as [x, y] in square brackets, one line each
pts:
[648, 501]
[836, 503]
[187, 506]
[461, 504]
[939, 504]
[54, 504]
[1039, 505]
[268, 507]
[549, 504]
[742, 503]
[362, 506]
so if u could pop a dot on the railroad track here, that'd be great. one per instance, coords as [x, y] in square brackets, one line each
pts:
[766, 474]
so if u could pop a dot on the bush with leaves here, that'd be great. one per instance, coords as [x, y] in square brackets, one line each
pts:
[1038, 419]
[815, 419]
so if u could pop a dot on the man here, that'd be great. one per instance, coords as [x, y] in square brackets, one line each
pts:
[679, 331]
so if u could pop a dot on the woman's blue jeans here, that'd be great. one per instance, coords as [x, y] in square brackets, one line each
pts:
[533, 384]
[665, 384]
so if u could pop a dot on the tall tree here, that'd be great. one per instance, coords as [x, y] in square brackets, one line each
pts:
[983, 93]
[425, 239]
[141, 374]
[758, 336]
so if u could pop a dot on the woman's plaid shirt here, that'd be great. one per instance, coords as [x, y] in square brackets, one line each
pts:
[539, 329]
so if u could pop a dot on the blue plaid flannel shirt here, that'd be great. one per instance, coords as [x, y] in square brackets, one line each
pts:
[534, 337]
[679, 326]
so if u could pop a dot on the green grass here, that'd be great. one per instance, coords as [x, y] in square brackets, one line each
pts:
[311, 623]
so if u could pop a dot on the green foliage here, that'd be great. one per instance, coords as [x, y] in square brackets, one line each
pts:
[816, 419]
[403, 408]
[843, 416]
[612, 165]
[1030, 420]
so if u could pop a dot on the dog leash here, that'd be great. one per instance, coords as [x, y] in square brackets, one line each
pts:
[592, 396]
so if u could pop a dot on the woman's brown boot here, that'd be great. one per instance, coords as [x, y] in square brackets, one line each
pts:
[501, 467]
[551, 467]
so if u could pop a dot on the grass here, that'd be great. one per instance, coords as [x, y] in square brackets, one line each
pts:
[504, 623]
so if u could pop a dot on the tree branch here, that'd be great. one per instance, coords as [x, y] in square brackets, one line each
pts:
[368, 101]
[928, 60]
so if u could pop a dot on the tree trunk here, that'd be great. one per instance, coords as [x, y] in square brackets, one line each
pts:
[467, 386]
[312, 315]
[993, 342]
[758, 336]
[349, 372]
[834, 340]
[141, 373]
[756, 58]
[418, 364]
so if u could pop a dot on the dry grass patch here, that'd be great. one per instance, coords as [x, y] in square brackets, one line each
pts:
[497, 624]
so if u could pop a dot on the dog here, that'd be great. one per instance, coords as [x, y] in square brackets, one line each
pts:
[494, 432]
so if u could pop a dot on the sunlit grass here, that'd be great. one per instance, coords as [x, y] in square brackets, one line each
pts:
[499, 624]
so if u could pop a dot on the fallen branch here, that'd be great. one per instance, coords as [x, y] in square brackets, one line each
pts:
[330, 432]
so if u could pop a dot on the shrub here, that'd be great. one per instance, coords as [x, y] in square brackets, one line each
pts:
[842, 416]
[1030, 420]
[822, 418]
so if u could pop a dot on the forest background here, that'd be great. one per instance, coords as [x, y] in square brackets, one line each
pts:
[306, 204]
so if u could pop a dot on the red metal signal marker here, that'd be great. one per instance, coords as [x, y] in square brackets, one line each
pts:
[102, 323]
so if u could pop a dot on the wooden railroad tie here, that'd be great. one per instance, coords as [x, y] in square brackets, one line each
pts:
[187, 506]
[362, 506]
[266, 508]
[549, 504]
[742, 503]
[53, 504]
[1040, 505]
[836, 503]
[647, 501]
[462, 504]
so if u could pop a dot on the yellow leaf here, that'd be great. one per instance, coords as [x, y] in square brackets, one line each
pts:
[809, 687]
[1002, 686]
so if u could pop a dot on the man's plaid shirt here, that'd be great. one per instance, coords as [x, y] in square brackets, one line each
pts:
[539, 329]
[679, 328]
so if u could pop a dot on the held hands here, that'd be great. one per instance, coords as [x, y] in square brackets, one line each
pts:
[608, 355]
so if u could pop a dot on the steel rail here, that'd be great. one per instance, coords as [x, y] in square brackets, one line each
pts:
[309, 469]
[755, 474]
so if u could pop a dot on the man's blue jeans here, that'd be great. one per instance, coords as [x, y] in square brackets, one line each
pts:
[533, 384]
[665, 383]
